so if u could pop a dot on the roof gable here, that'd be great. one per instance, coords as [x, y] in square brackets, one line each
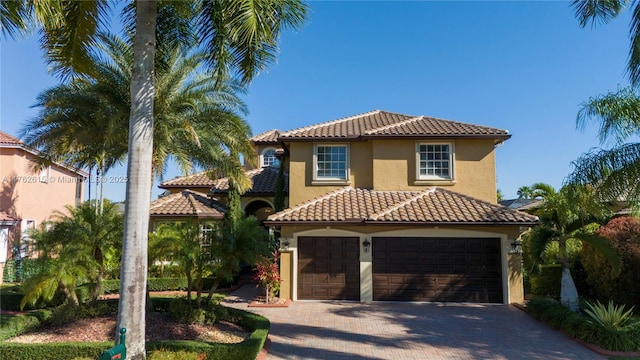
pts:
[267, 137]
[431, 206]
[385, 124]
[185, 204]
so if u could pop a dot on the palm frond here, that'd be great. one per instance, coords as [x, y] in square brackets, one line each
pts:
[597, 11]
[613, 173]
[618, 114]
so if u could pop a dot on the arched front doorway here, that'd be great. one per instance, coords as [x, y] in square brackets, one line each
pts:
[260, 209]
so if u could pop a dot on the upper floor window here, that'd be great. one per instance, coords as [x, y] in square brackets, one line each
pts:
[435, 161]
[268, 157]
[331, 162]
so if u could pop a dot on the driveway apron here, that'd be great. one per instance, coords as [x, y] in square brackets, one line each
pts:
[397, 330]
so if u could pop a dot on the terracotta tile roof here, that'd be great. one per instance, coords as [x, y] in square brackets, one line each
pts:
[431, 206]
[187, 203]
[267, 137]
[6, 217]
[200, 179]
[6, 139]
[378, 123]
[263, 180]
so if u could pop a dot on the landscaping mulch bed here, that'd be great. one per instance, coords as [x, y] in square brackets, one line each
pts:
[160, 326]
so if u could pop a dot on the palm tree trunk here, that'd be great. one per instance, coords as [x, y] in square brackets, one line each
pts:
[102, 170]
[133, 273]
[568, 291]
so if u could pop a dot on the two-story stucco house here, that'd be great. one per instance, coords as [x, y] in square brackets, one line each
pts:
[28, 197]
[387, 206]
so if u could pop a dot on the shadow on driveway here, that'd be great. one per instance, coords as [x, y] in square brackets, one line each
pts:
[349, 330]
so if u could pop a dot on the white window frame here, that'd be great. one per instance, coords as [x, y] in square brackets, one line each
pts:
[451, 161]
[262, 157]
[334, 179]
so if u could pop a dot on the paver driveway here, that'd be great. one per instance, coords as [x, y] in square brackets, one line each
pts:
[349, 330]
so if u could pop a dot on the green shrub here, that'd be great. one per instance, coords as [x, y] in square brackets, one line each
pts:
[68, 313]
[248, 349]
[559, 317]
[14, 325]
[624, 234]
[10, 298]
[44, 351]
[547, 281]
[154, 284]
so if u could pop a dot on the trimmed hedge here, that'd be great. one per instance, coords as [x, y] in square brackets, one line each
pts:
[155, 284]
[14, 325]
[248, 349]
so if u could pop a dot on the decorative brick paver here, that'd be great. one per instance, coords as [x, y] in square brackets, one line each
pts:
[386, 330]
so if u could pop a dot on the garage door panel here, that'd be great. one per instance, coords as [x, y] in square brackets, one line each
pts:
[437, 269]
[328, 268]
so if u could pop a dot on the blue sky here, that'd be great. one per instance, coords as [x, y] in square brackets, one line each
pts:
[520, 66]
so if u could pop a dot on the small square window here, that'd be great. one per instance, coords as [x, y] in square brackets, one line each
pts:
[330, 162]
[268, 158]
[434, 161]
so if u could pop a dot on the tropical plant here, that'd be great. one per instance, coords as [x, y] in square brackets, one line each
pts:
[84, 122]
[592, 12]
[239, 37]
[571, 213]
[613, 326]
[188, 246]
[613, 172]
[524, 192]
[235, 245]
[78, 244]
[267, 275]
[611, 317]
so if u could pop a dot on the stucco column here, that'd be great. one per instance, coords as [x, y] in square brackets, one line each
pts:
[516, 287]
[366, 270]
[286, 274]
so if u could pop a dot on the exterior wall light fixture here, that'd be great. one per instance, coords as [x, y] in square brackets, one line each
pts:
[366, 244]
[516, 247]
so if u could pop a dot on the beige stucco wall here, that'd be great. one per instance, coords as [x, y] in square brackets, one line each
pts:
[511, 264]
[390, 165]
[394, 168]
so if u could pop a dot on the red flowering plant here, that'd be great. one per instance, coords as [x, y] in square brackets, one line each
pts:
[267, 274]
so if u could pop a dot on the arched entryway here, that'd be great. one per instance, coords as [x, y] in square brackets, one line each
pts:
[260, 209]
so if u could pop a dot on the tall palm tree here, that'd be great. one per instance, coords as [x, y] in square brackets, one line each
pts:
[571, 213]
[613, 172]
[592, 12]
[240, 38]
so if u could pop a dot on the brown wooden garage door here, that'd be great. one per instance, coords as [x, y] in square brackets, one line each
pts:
[437, 269]
[328, 268]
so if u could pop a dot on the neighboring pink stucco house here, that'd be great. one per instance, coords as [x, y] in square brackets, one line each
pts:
[28, 197]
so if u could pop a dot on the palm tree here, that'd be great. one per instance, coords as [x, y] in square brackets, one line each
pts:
[592, 12]
[77, 246]
[571, 213]
[239, 37]
[83, 122]
[524, 192]
[613, 172]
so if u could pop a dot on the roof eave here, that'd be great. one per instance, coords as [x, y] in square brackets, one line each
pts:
[320, 138]
[396, 223]
[498, 138]
[324, 222]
